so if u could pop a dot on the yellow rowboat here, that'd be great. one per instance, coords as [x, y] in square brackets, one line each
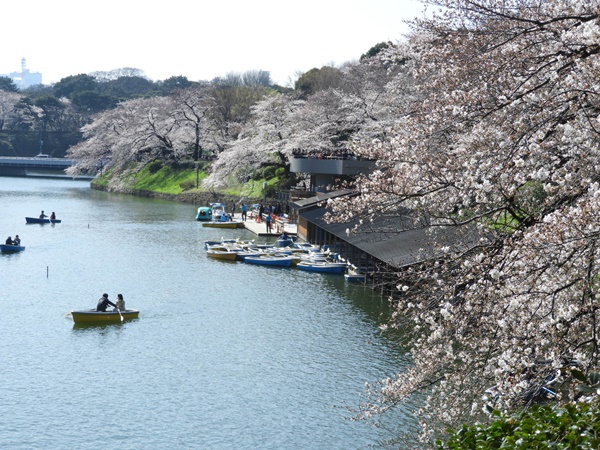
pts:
[99, 317]
[222, 254]
[229, 224]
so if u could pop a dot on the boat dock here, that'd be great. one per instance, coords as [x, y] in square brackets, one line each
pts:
[260, 228]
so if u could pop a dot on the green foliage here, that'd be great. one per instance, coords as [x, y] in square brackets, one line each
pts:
[574, 426]
[68, 86]
[187, 185]
[7, 84]
[173, 84]
[234, 103]
[257, 175]
[318, 79]
[92, 102]
[127, 87]
[271, 191]
[269, 172]
[48, 103]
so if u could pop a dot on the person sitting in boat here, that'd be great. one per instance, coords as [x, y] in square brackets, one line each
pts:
[17, 240]
[9, 241]
[103, 303]
[284, 236]
[42, 215]
[120, 303]
[52, 216]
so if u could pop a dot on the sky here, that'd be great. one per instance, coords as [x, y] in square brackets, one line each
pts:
[198, 39]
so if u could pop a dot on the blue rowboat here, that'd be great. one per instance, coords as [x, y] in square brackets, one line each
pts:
[322, 267]
[38, 220]
[278, 261]
[11, 248]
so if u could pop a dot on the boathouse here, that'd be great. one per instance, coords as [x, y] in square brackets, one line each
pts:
[378, 249]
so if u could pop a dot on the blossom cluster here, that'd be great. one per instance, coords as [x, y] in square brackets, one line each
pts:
[500, 132]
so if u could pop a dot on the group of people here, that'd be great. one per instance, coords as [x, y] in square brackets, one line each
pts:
[15, 241]
[104, 302]
[43, 216]
[271, 212]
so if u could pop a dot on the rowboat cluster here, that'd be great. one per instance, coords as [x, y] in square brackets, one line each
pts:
[14, 246]
[283, 253]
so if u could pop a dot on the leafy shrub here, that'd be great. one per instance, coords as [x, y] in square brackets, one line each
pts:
[269, 172]
[573, 426]
[187, 185]
[271, 191]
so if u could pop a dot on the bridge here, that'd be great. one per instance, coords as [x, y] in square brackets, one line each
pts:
[40, 166]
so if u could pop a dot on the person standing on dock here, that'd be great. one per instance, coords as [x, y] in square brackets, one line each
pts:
[244, 212]
[261, 211]
[268, 222]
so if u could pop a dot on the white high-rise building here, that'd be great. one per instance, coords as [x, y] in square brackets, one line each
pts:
[24, 78]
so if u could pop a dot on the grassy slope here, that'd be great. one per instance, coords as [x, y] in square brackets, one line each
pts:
[174, 181]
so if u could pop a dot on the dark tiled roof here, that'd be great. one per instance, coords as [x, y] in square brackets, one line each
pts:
[397, 241]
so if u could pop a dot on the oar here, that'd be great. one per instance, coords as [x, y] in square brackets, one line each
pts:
[120, 315]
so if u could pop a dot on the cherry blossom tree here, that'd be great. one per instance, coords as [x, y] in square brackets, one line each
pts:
[194, 109]
[323, 122]
[136, 131]
[264, 140]
[8, 112]
[500, 132]
[170, 128]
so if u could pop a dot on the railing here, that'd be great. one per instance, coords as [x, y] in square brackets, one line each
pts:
[35, 162]
[33, 166]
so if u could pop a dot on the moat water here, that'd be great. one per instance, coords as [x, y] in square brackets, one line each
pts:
[223, 355]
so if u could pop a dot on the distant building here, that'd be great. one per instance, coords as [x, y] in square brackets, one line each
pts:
[24, 78]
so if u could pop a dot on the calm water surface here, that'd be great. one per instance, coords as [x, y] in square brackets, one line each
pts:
[223, 356]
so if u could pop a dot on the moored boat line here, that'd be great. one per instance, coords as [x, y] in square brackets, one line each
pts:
[302, 256]
[284, 252]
